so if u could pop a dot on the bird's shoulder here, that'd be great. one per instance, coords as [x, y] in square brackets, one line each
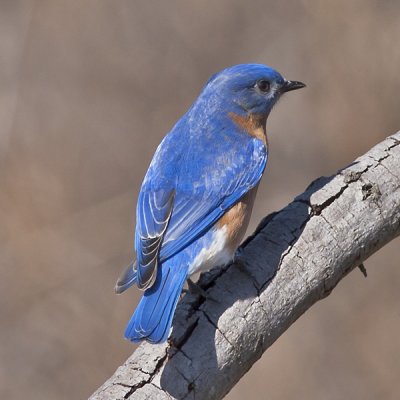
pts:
[207, 153]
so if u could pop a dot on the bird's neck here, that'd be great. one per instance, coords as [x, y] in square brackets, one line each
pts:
[253, 124]
[224, 115]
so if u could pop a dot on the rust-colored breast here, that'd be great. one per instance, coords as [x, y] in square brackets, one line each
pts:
[252, 124]
[237, 218]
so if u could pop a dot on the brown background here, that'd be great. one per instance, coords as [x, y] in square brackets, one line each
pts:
[89, 88]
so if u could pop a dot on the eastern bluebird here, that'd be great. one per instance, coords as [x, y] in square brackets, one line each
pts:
[197, 196]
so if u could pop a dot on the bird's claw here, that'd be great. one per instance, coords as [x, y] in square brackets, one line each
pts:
[194, 288]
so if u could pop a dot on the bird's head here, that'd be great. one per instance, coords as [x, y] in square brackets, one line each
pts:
[248, 88]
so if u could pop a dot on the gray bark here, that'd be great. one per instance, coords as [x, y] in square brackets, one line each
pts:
[295, 258]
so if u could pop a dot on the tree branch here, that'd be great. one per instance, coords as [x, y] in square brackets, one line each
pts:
[295, 258]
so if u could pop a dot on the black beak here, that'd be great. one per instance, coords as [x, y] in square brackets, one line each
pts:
[292, 85]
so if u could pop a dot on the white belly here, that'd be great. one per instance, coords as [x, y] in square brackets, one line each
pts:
[228, 234]
[217, 254]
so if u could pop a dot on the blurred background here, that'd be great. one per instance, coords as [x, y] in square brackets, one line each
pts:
[87, 91]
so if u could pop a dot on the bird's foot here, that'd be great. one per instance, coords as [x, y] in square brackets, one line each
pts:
[194, 288]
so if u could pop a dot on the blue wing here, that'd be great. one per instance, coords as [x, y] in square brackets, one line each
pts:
[153, 214]
[195, 211]
[186, 191]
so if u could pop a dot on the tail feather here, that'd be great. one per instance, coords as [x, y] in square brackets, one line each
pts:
[153, 316]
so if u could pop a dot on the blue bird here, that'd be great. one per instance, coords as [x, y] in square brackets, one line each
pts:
[197, 196]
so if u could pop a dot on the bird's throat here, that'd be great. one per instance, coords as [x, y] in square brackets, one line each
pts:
[253, 124]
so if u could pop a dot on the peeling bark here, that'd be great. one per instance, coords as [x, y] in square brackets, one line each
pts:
[295, 258]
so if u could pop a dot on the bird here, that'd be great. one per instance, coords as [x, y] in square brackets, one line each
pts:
[197, 196]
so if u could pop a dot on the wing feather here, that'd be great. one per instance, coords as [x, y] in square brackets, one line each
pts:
[153, 213]
[177, 205]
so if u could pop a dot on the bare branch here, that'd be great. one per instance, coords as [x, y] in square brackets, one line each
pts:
[295, 258]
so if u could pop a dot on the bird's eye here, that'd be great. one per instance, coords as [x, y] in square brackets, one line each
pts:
[263, 85]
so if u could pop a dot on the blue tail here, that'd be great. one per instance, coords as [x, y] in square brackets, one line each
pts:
[152, 318]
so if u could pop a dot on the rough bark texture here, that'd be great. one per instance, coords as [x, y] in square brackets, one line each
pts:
[295, 258]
